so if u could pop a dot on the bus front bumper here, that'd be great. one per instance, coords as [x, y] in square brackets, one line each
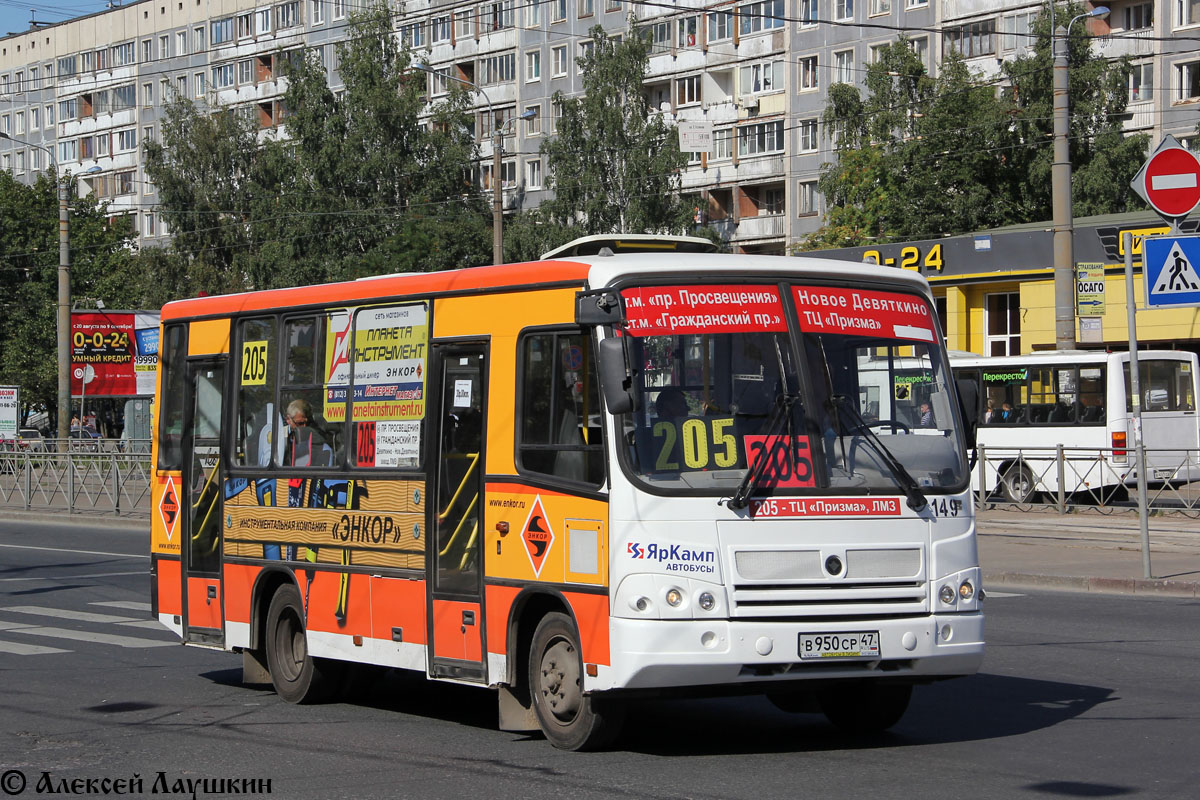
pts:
[648, 654]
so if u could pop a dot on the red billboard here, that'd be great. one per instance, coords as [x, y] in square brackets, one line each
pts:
[115, 352]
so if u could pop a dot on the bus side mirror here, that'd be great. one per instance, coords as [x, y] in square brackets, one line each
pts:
[968, 406]
[615, 380]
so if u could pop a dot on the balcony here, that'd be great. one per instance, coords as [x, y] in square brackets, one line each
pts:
[761, 227]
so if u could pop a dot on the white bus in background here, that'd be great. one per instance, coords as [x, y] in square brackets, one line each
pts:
[1030, 404]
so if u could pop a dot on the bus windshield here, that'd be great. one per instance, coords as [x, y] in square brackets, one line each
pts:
[863, 406]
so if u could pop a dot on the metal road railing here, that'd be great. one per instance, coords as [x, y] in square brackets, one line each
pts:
[112, 478]
[1072, 478]
[115, 479]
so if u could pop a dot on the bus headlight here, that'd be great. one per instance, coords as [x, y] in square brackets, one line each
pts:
[706, 601]
[966, 590]
[674, 598]
[946, 595]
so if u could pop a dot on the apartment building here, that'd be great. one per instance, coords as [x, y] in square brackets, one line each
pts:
[755, 72]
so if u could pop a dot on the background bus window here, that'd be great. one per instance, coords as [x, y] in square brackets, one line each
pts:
[311, 438]
[1092, 393]
[1166, 386]
[174, 383]
[256, 377]
[1053, 395]
[560, 408]
[1005, 395]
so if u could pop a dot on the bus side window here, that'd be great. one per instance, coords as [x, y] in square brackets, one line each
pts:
[174, 383]
[559, 430]
[256, 352]
[317, 441]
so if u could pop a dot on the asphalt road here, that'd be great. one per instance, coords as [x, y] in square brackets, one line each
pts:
[1080, 696]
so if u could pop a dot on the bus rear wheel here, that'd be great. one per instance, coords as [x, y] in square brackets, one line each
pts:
[569, 719]
[866, 707]
[1017, 484]
[296, 676]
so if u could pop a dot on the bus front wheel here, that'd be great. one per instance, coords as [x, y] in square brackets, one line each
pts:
[865, 708]
[570, 719]
[296, 676]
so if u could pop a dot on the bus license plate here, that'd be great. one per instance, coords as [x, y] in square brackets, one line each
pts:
[857, 644]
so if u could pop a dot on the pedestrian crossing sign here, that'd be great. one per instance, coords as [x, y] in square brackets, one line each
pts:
[1171, 271]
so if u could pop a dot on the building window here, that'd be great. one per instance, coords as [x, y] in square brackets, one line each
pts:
[126, 140]
[722, 144]
[19, 121]
[533, 14]
[339, 9]
[558, 58]
[1189, 80]
[612, 5]
[287, 15]
[221, 31]
[558, 10]
[262, 21]
[1139, 16]
[533, 125]
[245, 70]
[164, 46]
[767, 76]
[1141, 83]
[198, 84]
[806, 198]
[687, 90]
[920, 47]
[880, 7]
[198, 40]
[689, 31]
[765, 137]
[586, 48]
[123, 54]
[807, 129]
[245, 25]
[317, 10]
[843, 9]
[439, 82]
[809, 78]
[533, 174]
[1003, 324]
[148, 224]
[720, 26]
[761, 16]
[68, 151]
[1187, 12]
[843, 67]
[497, 69]
[148, 136]
[413, 35]
[102, 144]
[1016, 29]
[181, 43]
[223, 76]
[533, 66]
[464, 24]
[147, 50]
[807, 16]
[973, 39]
[34, 122]
[147, 94]
[441, 29]
[587, 8]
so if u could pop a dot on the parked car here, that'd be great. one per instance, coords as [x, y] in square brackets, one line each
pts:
[85, 439]
[31, 439]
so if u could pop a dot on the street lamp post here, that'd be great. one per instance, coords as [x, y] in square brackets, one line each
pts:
[64, 295]
[1060, 181]
[497, 150]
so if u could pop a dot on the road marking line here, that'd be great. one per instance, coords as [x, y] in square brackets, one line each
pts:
[130, 605]
[148, 624]
[72, 550]
[63, 613]
[75, 577]
[21, 649]
[84, 636]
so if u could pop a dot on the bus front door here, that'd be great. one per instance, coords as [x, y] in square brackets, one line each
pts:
[203, 619]
[456, 545]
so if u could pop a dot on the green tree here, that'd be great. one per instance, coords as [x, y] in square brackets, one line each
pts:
[921, 158]
[101, 264]
[614, 166]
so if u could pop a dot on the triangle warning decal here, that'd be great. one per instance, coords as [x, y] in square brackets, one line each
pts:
[1178, 275]
[537, 536]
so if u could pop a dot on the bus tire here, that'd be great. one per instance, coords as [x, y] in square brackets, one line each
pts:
[569, 719]
[865, 707]
[1017, 484]
[296, 676]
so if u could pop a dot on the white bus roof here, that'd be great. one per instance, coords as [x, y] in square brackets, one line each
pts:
[1050, 357]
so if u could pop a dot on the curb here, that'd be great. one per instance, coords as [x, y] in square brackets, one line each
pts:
[1156, 587]
[49, 517]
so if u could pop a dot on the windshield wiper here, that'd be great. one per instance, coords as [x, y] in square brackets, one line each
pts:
[782, 416]
[914, 496]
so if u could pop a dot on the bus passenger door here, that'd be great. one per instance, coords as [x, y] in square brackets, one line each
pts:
[456, 541]
[203, 619]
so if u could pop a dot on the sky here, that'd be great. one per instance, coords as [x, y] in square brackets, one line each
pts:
[15, 16]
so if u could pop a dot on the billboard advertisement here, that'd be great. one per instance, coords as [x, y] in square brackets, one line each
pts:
[10, 412]
[121, 347]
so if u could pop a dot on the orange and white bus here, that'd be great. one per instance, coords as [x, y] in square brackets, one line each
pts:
[574, 481]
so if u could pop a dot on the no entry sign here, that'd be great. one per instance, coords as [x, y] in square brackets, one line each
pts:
[1170, 180]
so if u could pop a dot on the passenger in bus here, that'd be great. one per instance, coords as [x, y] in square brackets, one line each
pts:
[990, 412]
[926, 416]
[1007, 413]
[306, 446]
[1092, 410]
[671, 404]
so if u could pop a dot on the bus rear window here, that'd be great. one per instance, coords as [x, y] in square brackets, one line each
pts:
[1166, 385]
